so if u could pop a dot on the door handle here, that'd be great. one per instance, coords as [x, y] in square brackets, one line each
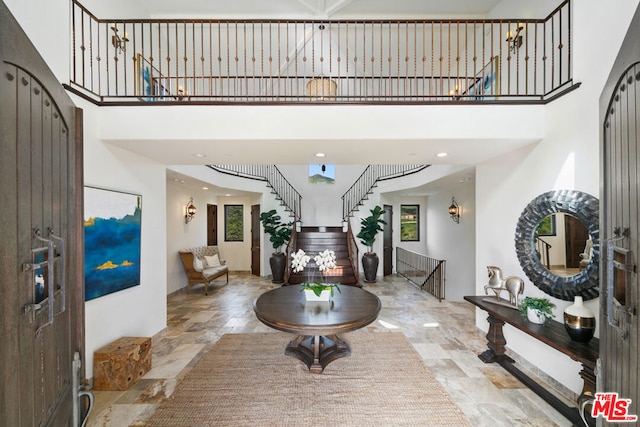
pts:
[50, 276]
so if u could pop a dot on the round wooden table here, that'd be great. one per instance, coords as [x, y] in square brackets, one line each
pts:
[317, 324]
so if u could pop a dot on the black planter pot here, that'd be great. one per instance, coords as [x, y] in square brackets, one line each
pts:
[370, 266]
[278, 262]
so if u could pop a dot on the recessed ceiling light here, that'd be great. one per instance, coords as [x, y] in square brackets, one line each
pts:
[228, 195]
[205, 188]
[200, 155]
[441, 155]
[320, 154]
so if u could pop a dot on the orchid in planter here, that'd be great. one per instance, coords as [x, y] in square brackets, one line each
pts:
[325, 260]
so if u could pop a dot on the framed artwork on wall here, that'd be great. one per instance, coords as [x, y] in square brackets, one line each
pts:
[486, 83]
[112, 241]
[547, 226]
[233, 223]
[150, 84]
[322, 174]
[410, 223]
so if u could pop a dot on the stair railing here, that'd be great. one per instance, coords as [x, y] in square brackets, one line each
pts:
[283, 190]
[292, 247]
[364, 185]
[543, 248]
[352, 248]
[423, 271]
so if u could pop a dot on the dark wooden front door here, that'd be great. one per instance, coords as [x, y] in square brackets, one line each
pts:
[255, 240]
[620, 223]
[387, 241]
[41, 295]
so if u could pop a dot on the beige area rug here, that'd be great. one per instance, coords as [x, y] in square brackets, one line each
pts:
[246, 380]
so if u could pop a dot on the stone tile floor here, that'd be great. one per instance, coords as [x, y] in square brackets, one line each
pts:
[443, 333]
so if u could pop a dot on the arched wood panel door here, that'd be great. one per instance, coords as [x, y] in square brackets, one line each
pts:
[41, 248]
[620, 224]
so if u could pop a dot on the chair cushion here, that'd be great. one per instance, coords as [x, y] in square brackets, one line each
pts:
[198, 265]
[212, 261]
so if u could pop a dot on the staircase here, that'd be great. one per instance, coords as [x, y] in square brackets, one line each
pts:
[313, 240]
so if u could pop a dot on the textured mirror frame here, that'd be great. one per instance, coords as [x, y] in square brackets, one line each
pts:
[585, 208]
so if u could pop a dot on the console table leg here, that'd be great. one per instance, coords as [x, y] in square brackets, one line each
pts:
[496, 342]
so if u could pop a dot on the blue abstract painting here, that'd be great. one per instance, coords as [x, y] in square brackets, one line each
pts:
[112, 231]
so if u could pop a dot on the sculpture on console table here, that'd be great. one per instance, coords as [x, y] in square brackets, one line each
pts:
[512, 284]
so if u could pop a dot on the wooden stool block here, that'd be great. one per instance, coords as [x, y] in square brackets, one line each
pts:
[120, 364]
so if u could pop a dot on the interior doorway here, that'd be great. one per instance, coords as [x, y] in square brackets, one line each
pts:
[212, 225]
[255, 240]
[387, 241]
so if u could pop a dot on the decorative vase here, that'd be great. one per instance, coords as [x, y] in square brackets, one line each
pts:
[278, 263]
[579, 321]
[370, 266]
[311, 296]
[535, 316]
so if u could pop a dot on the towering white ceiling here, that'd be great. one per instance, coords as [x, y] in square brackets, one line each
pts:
[317, 8]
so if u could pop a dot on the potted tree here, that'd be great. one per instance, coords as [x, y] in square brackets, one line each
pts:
[536, 310]
[369, 227]
[279, 234]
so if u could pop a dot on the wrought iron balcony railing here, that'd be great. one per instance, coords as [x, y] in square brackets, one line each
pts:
[146, 61]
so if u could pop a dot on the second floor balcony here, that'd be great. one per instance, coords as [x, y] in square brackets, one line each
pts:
[208, 61]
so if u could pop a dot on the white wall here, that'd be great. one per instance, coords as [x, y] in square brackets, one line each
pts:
[322, 203]
[507, 184]
[140, 310]
[453, 242]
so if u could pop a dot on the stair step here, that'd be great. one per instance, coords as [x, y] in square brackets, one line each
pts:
[320, 228]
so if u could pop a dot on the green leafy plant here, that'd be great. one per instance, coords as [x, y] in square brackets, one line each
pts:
[317, 288]
[543, 305]
[279, 232]
[370, 226]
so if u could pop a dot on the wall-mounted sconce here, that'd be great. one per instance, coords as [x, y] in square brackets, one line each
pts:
[189, 211]
[454, 211]
[182, 93]
[514, 38]
[120, 43]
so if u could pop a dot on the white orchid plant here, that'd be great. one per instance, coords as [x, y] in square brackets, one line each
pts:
[325, 260]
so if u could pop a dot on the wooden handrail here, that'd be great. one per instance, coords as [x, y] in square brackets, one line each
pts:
[352, 247]
[421, 270]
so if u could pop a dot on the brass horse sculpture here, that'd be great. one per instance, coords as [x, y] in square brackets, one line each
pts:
[512, 284]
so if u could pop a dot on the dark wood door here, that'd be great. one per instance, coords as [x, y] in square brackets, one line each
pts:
[212, 225]
[255, 240]
[620, 222]
[575, 236]
[41, 297]
[387, 241]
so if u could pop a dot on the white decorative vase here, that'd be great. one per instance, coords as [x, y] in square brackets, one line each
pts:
[311, 296]
[579, 321]
[535, 316]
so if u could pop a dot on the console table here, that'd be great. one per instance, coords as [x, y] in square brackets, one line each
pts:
[551, 333]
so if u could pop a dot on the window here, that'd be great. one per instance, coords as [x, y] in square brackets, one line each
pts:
[233, 223]
[410, 223]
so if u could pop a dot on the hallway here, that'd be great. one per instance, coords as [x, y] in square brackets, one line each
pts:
[442, 333]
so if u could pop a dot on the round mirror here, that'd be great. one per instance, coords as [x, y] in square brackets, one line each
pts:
[567, 265]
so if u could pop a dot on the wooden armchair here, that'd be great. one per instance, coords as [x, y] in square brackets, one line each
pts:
[197, 269]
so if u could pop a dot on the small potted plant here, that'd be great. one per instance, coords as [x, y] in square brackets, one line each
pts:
[280, 234]
[315, 291]
[537, 310]
[369, 227]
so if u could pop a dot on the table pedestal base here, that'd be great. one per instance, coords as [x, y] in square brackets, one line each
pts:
[317, 351]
